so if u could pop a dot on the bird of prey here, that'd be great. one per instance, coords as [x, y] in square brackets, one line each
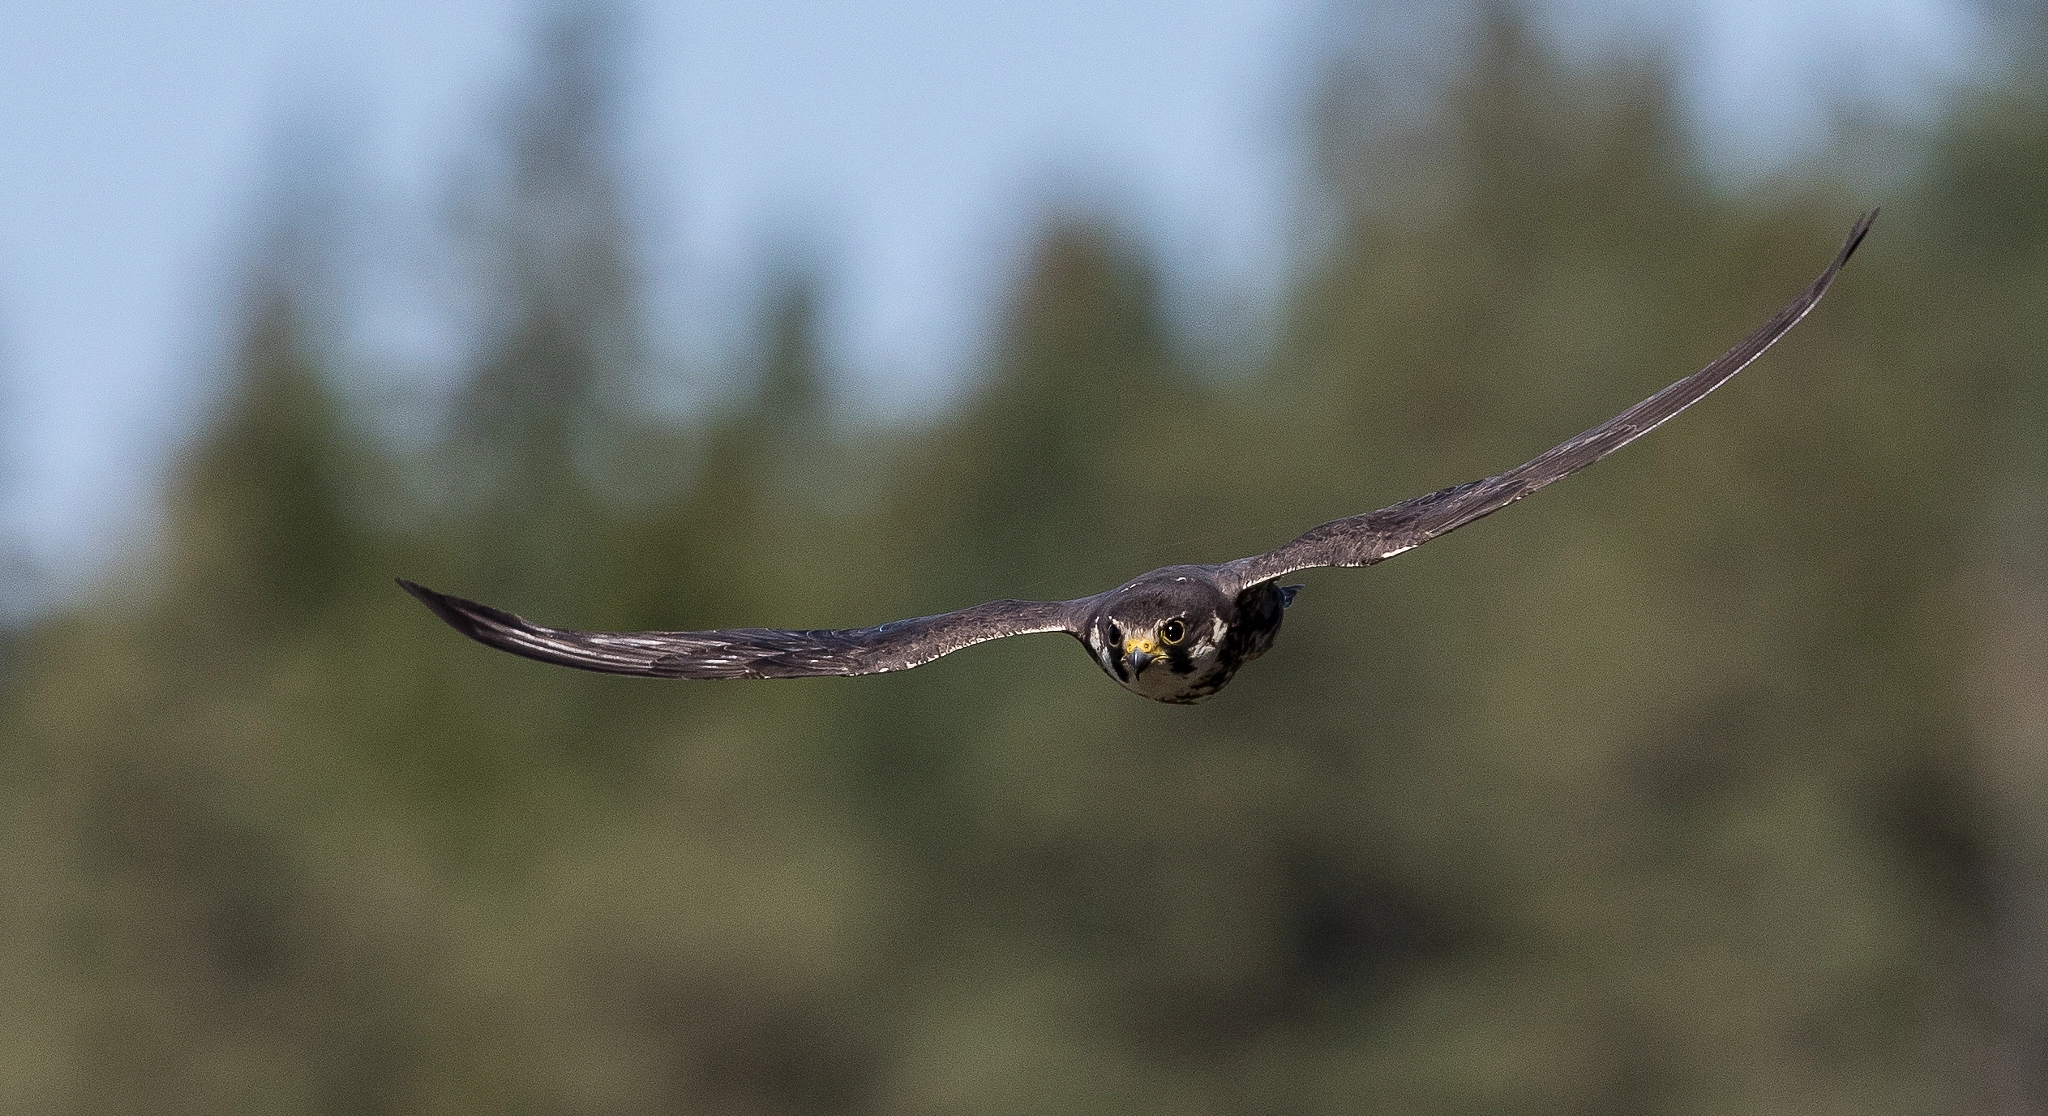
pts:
[1177, 634]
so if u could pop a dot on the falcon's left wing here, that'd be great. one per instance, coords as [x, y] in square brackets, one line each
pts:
[749, 652]
[1362, 540]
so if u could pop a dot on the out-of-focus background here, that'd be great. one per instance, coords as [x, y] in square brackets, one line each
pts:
[1713, 780]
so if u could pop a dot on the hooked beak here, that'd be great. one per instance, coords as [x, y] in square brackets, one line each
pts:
[1139, 660]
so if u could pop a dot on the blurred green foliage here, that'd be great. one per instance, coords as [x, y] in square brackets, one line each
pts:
[1712, 781]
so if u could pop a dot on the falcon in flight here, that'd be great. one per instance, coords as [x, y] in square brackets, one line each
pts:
[1176, 634]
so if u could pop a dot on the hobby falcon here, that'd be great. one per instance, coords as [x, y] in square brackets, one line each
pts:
[1176, 634]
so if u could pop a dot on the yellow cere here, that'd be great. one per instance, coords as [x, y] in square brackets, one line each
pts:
[1144, 645]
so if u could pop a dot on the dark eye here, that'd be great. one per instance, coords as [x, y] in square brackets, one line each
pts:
[1171, 631]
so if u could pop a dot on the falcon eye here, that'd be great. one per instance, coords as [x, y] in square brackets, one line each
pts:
[1171, 632]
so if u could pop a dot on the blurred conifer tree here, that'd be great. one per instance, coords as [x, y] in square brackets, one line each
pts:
[559, 342]
[1985, 184]
[17, 573]
[263, 532]
[1049, 470]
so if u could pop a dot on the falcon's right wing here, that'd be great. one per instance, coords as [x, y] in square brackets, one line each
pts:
[749, 652]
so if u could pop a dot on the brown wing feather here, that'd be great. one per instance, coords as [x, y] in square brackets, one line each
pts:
[748, 652]
[1362, 540]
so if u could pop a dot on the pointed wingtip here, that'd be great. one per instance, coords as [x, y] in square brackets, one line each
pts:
[1857, 232]
[448, 608]
[1826, 278]
[420, 593]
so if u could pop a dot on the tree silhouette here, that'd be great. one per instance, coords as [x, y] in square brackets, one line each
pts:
[559, 343]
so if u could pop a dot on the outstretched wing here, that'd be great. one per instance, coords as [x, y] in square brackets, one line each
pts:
[748, 652]
[1375, 536]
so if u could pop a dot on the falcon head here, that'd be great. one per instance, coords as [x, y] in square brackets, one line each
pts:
[1175, 634]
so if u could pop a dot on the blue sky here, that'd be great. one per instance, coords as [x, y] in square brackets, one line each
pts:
[910, 142]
